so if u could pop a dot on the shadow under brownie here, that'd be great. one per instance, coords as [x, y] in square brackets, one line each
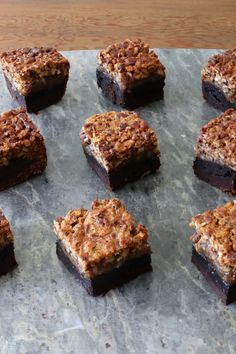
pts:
[120, 147]
[130, 75]
[215, 159]
[35, 77]
[214, 249]
[22, 149]
[7, 256]
[102, 247]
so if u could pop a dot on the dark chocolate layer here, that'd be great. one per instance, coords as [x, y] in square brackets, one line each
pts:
[15, 166]
[226, 292]
[216, 97]
[217, 175]
[41, 96]
[107, 281]
[19, 170]
[140, 93]
[7, 259]
[132, 170]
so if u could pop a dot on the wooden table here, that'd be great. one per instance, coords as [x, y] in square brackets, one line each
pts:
[86, 24]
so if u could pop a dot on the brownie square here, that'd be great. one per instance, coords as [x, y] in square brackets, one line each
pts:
[35, 77]
[219, 80]
[120, 147]
[214, 249]
[215, 160]
[103, 247]
[22, 148]
[130, 74]
[7, 256]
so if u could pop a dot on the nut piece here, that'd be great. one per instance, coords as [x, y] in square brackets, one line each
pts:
[6, 236]
[129, 61]
[221, 71]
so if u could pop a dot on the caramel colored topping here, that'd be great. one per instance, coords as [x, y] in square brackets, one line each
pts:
[18, 136]
[101, 239]
[116, 136]
[217, 140]
[216, 238]
[6, 236]
[221, 70]
[129, 61]
[28, 66]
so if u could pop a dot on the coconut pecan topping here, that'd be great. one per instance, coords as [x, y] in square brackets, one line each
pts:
[129, 61]
[217, 140]
[215, 237]
[114, 137]
[101, 239]
[19, 137]
[6, 236]
[28, 66]
[221, 70]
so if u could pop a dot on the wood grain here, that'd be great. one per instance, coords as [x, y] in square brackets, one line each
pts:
[88, 24]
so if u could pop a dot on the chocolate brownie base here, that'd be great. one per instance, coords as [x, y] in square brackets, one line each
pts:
[130, 171]
[226, 292]
[7, 259]
[101, 284]
[42, 96]
[217, 175]
[19, 170]
[216, 97]
[141, 93]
